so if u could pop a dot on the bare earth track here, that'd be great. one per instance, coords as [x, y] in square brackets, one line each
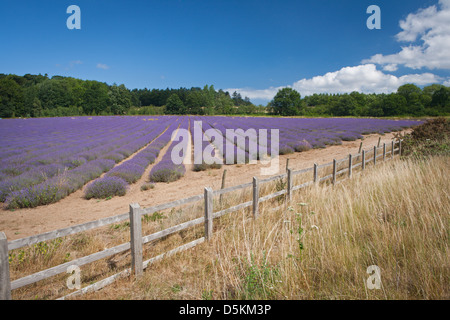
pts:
[74, 209]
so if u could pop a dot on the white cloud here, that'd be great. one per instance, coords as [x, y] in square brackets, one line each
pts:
[74, 63]
[102, 66]
[427, 34]
[70, 65]
[264, 94]
[364, 78]
[390, 67]
[431, 28]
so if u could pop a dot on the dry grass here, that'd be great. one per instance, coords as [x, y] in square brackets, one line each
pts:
[318, 247]
[395, 217]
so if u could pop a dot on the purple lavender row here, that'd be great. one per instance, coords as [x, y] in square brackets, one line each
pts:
[232, 153]
[117, 180]
[63, 184]
[38, 174]
[207, 145]
[69, 154]
[166, 170]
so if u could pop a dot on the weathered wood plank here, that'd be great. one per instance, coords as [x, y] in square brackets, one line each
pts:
[171, 230]
[316, 173]
[234, 188]
[98, 285]
[350, 165]
[289, 185]
[5, 281]
[280, 176]
[255, 205]
[341, 171]
[392, 149]
[326, 178]
[63, 267]
[334, 170]
[363, 161]
[302, 185]
[297, 172]
[208, 213]
[356, 165]
[19, 243]
[136, 239]
[325, 165]
[234, 208]
[172, 204]
[273, 195]
[174, 251]
[125, 273]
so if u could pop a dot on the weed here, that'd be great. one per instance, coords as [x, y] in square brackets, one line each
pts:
[259, 280]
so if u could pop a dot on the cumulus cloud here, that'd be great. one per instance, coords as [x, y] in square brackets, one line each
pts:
[263, 94]
[427, 33]
[102, 66]
[427, 37]
[364, 78]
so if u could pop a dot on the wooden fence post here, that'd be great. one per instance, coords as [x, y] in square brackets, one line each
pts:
[392, 149]
[223, 186]
[375, 155]
[290, 177]
[255, 198]
[136, 239]
[334, 171]
[363, 160]
[208, 213]
[384, 151]
[287, 164]
[350, 165]
[400, 147]
[316, 173]
[5, 281]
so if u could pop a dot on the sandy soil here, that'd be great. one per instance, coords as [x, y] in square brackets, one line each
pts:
[74, 209]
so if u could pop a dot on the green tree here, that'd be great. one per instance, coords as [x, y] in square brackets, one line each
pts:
[394, 104]
[194, 102]
[11, 98]
[411, 92]
[120, 99]
[174, 105]
[96, 98]
[345, 105]
[287, 102]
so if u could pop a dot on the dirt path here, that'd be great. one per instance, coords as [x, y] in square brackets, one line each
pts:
[74, 209]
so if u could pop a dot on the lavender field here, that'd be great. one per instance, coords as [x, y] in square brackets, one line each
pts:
[45, 160]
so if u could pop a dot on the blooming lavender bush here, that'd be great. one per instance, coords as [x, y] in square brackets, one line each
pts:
[44, 160]
[166, 170]
[106, 187]
[34, 196]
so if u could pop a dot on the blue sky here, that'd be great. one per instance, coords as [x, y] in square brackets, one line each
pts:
[254, 47]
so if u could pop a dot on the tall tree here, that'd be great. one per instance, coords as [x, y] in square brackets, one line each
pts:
[11, 98]
[174, 105]
[287, 102]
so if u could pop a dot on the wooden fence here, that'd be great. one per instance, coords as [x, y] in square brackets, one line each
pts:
[352, 162]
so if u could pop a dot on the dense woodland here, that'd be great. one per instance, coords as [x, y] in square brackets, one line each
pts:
[44, 96]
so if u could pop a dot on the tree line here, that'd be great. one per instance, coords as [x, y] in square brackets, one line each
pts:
[409, 100]
[42, 96]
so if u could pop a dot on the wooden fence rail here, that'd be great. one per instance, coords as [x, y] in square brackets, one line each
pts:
[137, 240]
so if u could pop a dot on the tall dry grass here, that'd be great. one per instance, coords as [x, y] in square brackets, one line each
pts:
[320, 246]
